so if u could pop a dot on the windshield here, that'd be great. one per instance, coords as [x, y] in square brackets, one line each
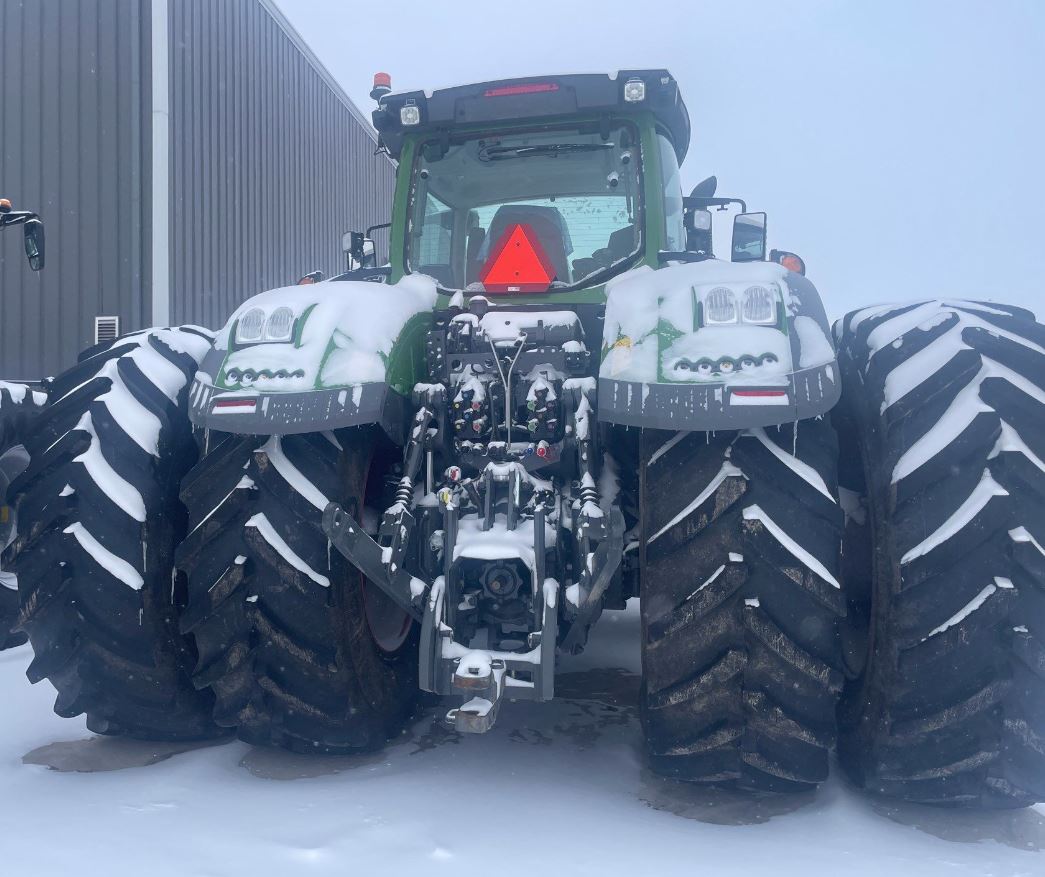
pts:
[570, 196]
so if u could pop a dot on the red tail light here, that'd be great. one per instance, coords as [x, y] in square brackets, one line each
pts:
[527, 88]
[518, 263]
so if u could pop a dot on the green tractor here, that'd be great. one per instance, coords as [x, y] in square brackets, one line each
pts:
[435, 475]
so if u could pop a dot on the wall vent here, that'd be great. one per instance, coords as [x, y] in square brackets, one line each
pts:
[106, 329]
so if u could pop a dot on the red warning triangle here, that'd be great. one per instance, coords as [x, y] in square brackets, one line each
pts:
[518, 263]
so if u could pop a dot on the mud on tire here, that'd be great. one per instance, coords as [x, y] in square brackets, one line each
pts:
[741, 604]
[99, 517]
[277, 615]
[943, 415]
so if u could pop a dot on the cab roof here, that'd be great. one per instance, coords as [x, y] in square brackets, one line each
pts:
[534, 97]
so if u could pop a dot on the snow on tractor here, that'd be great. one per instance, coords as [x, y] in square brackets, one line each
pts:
[556, 399]
[18, 403]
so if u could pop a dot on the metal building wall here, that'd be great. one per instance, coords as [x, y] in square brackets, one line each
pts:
[74, 92]
[270, 161]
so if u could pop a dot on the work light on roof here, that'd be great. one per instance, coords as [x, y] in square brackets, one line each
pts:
[410, 114]
[634, 91]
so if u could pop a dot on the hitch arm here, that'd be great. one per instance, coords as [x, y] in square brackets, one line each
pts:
[353, 542]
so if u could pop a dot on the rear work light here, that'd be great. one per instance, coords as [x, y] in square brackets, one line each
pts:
[410, 114]
[634, 91]
[524, 88]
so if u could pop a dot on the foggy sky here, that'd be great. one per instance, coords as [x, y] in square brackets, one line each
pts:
[897, 146]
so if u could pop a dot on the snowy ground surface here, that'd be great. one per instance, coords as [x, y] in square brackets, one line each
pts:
[560, 786]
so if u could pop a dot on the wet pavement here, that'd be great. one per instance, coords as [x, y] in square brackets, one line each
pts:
[101, 754]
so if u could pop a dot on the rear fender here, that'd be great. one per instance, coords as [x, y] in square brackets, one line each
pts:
[664, 368]
[355, 353]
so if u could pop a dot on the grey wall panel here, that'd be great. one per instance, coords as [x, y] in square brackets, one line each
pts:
[73, 96]
[270, 162]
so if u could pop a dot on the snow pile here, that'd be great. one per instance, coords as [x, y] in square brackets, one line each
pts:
[499, 543]
[18, 392]
[348, 331]
[501, 326]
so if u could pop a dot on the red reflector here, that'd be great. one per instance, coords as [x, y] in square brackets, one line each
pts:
[531, 88]
[518, 263]
[759, 393]
[236, 403]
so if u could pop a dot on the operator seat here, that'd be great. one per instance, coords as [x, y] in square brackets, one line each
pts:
[546, 223]
[620, 245]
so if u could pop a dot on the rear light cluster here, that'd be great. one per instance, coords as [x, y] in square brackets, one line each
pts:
[725, 365]
[755, 305]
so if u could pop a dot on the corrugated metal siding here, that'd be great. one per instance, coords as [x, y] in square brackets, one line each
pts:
[269, 164]
[73, 97]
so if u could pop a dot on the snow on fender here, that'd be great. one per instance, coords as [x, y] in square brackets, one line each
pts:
[324, 355]
[715, 345]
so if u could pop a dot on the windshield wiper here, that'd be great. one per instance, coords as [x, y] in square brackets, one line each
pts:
[499, 153]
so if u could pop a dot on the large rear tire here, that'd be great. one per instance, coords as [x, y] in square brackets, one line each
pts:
[98, 518]
[944, 405]
[280, 618]
[741, 604]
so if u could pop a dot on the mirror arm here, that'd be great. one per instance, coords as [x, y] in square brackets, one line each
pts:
[16, 217]
[698, 203]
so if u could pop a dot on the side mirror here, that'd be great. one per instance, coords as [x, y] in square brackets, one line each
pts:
[749, 238]
[359, 249]
[34, 243]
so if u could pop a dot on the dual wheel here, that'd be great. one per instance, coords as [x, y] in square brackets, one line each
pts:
[171, 597]
[875, 583]
[891, 607]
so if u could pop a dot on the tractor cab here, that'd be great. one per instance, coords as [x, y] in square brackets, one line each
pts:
[551, 184]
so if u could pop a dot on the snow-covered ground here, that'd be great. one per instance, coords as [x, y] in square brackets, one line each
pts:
[558, 786]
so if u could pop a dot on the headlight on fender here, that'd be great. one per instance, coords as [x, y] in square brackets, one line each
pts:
[758, 305]
[754, 304]
[280, 325]
[250, 326]
[720, 306]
